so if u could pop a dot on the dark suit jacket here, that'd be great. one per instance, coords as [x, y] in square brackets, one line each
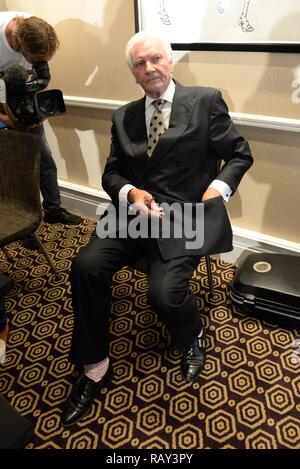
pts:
[186, 159]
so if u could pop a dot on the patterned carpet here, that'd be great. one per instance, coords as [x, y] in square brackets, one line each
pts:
[246, 397]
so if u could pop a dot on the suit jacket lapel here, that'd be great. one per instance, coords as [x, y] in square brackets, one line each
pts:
[135, 127]
[182, 109]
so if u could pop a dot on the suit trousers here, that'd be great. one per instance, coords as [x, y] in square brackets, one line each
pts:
[91, 280]
[48, 173]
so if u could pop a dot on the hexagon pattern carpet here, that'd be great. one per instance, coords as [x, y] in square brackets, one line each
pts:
[246, 397]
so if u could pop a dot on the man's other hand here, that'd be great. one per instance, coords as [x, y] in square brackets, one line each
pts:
[143, 202]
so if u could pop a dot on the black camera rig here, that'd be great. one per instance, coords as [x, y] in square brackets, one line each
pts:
[22, 96]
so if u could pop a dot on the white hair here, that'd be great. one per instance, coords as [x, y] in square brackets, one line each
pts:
[144, 36]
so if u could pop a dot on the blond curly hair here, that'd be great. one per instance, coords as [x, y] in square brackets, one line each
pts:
[36, 36]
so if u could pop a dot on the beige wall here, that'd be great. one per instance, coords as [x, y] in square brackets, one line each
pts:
[90, 63]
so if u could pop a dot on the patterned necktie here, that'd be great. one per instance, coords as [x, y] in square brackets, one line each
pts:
[157, 125]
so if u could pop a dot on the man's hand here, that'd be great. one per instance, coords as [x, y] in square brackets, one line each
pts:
[144, 203]
[15, 124]
[4, 118]
[210, 193]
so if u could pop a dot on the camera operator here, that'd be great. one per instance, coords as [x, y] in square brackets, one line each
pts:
[26, 40]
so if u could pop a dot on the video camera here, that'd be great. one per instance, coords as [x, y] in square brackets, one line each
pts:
[22, 97]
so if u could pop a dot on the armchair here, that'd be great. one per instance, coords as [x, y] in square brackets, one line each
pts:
[20, 205]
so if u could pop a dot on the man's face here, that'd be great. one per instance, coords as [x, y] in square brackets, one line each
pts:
[152, 68]
[32, 58]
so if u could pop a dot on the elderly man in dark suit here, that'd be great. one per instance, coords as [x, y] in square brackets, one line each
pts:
[166, 148]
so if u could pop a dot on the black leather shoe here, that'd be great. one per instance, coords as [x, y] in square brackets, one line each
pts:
[81, 399]
[193, 359]
[61, 215]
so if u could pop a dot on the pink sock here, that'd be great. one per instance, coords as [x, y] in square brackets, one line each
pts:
[96, 371]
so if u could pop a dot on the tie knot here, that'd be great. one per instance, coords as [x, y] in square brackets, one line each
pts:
[158, 104]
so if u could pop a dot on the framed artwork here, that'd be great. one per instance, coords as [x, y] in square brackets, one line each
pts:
[242, 25]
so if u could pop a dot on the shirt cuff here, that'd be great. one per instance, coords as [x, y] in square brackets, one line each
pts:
[221, 186]
[123, 193]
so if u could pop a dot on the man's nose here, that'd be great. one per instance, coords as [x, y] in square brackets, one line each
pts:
[149, 67]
